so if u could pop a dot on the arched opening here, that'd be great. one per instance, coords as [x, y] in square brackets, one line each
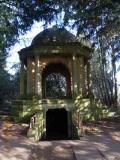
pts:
[56, 124]
[56, 81]
[55, 85]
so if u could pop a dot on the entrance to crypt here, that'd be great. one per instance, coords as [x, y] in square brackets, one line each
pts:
[57, 124]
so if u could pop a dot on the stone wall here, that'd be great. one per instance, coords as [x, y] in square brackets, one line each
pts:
[79, 110]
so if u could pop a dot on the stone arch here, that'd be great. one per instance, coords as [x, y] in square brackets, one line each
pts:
[57, 67]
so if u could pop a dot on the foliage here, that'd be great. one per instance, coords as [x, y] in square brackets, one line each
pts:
[96, 20]
[55, 85]
[104, 69]
[23, 109]
[90, 109]
[4, 84]
[18, 16]
[9, 85]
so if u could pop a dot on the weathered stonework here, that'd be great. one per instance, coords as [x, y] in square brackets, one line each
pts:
[54, 53]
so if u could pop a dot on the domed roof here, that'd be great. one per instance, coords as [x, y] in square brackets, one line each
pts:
[55, 41]
[57, 35]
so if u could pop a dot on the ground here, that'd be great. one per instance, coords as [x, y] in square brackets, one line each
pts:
[100, 142]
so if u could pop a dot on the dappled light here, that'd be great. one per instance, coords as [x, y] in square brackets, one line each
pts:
[98, 145]
[63, 101]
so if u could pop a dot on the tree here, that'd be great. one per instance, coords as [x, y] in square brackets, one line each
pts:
[56, 86]
[97, 20]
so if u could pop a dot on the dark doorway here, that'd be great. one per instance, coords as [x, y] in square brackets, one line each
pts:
[56, 124]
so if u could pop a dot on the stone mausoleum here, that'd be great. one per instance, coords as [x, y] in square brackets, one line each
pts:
[55, 68]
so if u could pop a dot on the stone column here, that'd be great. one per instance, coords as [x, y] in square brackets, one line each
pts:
[38, 86]
[69, 123]
[81, 75]
[75, 87]
[89, 81]
[29, 76]
[22, 79]
[44, 116]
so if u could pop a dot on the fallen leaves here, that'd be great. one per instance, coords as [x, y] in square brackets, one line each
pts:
[10, 130]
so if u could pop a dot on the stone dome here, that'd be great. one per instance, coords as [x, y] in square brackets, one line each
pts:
[56, 35]
[54, 41]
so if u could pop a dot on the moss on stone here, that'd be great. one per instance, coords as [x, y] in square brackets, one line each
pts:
[91, 109]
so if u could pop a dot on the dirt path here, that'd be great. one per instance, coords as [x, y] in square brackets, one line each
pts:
[24, 149]
[54, 150]
[14, 146]
[99, 146]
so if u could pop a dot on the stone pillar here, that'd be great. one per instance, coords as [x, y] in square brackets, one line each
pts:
[38, 86]
[75, 87]
[89, 81]
[22, 79]
[81, 75]
[69, 123]
[29, 76]
[44, 115]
